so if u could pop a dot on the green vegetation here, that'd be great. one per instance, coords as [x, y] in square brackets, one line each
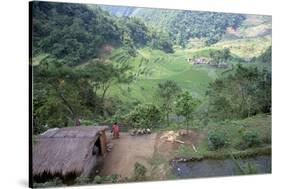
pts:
[202, 25]
[167, 93]
[97, 179]
[185, 105]
[220, 56]
[216, 138]
[138, 67]
[160, 168]
[143, 116]
[139, 172]
[245, 93]
[183, 25]
[62, 94]
[250, 139]
[246, 48]
[50, 183]
[67, 32]
[231, 139]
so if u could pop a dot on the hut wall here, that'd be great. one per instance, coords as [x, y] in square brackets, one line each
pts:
[93, 160]
[103, 143]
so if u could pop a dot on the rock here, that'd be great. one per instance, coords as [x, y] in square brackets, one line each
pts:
[144, 131]
[133, 132]
[139, 132]
[148, 131]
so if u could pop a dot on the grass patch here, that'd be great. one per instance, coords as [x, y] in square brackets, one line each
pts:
[233, 129]
[157, 160]
[246, 48]
[160, 169]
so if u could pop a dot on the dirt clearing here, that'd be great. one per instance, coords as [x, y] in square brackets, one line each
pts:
[127, 150]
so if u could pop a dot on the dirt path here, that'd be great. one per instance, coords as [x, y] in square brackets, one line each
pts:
[126, 151]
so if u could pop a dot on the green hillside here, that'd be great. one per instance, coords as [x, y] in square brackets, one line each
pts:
[99, 62]
[200, 79]
[153, 66]
[183, 24]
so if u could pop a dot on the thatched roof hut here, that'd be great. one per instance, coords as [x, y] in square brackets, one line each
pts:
[68, 151]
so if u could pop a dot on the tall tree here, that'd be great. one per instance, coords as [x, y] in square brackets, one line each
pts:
[167, 91]
[220, 56]
[185, 105]
[244, 93]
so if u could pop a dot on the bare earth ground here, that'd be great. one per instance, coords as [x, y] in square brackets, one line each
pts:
[127, 150]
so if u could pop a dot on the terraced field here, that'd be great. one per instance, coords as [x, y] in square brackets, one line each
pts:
[151, 67]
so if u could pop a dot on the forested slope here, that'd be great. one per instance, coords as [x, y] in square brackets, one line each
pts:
[183, 24]
[75, 33]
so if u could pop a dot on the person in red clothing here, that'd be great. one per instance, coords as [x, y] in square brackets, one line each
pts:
[115, 130]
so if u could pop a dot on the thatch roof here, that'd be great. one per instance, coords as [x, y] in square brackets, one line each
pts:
[63, 151]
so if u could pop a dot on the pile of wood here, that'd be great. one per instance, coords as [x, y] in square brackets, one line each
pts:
[184, 132]
[171, 136]
[134, 132]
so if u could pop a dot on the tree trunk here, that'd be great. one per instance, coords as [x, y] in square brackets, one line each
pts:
[167, 117]
[104, 92]
[67, 104]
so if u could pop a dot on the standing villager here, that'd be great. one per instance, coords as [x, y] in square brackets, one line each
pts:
[115, 130]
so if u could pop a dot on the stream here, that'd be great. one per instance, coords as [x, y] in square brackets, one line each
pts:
[215, 168]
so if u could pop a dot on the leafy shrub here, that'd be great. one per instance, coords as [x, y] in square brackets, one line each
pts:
[216, 138]
[98, 179]
[139, 172]
[51, 183]
[144, 116]
[114, 178]
[250, 139]
[82, 180]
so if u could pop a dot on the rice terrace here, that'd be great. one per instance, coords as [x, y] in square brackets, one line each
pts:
[127, 94]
